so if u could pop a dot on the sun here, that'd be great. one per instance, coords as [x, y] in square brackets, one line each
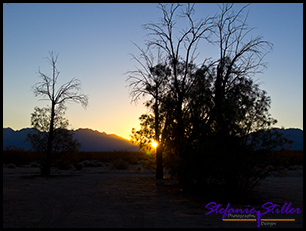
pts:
[154, 144]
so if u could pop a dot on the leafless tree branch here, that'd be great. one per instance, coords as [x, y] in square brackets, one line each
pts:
[67, 92]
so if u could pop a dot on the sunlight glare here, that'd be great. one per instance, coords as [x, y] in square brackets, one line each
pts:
[154, 144]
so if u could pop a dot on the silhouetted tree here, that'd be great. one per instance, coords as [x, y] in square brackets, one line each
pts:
[151, 80]
[228, 114]
[58, 97]
[144, 136]
[179, 46]
[179, 50]
[63, 138]
[240, 107]
[217, 125]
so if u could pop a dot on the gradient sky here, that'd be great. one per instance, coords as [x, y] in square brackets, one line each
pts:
[94, 42]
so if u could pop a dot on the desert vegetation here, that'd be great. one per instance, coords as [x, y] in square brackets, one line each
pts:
[47, 90]
[14, 157]
[78, 160]
[210, 117]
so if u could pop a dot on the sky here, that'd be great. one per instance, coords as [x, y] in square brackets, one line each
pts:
[95, 43]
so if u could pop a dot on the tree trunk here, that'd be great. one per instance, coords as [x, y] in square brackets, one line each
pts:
[45, 171]
[180, 143]
[159, 163]
[159, 154]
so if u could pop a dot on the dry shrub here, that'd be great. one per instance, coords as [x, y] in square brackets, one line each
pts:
[91, 163]
[78, 166]
[11, 165]
[120, 164]
[19, 156]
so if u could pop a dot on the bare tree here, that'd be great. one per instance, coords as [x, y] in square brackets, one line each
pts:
[58, 97]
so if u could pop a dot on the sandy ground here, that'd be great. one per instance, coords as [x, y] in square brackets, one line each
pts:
[102, 198]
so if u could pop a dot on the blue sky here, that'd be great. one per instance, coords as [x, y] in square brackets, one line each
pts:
[94, 42]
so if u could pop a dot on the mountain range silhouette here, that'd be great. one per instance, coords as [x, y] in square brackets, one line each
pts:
[95, 141]
[91, 141]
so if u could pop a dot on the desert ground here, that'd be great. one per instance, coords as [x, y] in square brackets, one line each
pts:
[101, 197]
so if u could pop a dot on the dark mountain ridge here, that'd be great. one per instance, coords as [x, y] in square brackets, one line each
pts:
[294, 134]
[91, 141]
[95, 141]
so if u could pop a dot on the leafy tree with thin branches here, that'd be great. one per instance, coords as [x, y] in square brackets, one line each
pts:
[63, 138]
[217, 126]
[151, 80]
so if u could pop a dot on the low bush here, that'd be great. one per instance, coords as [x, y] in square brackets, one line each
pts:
[78, 166]
[89, 163]
[120, 164]
[35, 165]
[19, 156]
[11, 165]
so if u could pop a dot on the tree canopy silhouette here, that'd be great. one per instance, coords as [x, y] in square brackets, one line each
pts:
[63, 139]
[152, 81]
[211, 114]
